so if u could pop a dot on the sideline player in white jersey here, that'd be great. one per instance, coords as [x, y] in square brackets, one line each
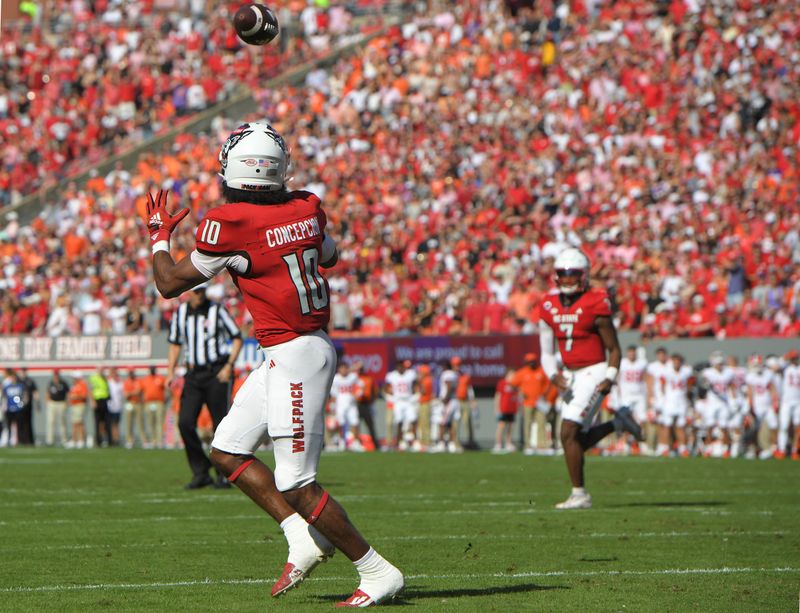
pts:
[631, 388]
[790, 406]
[654, 380]
[720, 405]
[677, 383]
[343, 393]
[739, 408]
[403, 391]
[447, 413]
[762, 398]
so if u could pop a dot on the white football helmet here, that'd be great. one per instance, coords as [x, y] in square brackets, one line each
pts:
[755, 362]
[254, 158]
[570, 262]
[717, 358]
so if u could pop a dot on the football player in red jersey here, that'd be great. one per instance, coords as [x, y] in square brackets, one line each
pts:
[272, 242]
[579, 319]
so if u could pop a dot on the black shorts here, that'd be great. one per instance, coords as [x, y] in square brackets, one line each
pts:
[506, 417]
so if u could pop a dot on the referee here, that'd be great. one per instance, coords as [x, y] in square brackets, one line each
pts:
[212, 342]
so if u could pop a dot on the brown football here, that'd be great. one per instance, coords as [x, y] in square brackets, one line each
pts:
[255, 24]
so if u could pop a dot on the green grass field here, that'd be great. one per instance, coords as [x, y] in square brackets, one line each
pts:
[114, 530]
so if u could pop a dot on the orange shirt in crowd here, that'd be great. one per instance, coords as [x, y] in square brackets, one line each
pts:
[154, 388]
[79, 392]
[366, 389]
[426, 388]
[532, 382]
[132, 388]
[462, 387]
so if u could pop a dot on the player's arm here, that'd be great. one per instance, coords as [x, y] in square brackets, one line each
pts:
[608, 334]
[774, 394]
[548, 360]
[649, 381]
[329, 255]
[173, 278]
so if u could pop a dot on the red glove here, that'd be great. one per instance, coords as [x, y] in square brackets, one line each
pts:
[159, 222]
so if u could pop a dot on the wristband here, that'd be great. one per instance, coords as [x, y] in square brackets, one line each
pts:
[611, 373]
[160, 246]
[159, 234]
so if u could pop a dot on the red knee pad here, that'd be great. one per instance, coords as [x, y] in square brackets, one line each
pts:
[235, 474]
[318, 509]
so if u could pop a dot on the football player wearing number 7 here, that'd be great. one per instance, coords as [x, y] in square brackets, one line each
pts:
[579, 319]
[272, 242]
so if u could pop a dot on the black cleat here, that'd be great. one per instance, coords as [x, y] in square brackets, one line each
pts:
[198, 482]
[222, 483]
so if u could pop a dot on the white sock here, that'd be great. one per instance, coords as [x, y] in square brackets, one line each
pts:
[579, 491]
[295, 529]
[372, 564]
[291, 523]
[366, 561]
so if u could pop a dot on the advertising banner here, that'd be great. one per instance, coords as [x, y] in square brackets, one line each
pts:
[485, 358]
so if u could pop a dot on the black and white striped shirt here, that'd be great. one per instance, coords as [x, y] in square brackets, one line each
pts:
[205, 333]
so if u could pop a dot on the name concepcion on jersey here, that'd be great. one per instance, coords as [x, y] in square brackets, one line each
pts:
[292, 232]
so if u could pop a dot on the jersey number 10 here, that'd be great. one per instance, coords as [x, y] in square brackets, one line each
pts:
[307, 280]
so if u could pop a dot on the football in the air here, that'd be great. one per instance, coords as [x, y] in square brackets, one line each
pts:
[255, 24]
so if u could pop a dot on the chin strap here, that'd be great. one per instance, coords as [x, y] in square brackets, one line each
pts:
[318, 509]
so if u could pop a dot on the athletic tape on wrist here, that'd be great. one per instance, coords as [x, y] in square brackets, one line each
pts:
[161, 246]
[318, 509]
[611, 373]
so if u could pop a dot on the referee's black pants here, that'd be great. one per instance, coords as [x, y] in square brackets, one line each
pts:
[201, 386]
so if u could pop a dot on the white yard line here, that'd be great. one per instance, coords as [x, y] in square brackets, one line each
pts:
[525, 575]
[703, 510]
[437, 537]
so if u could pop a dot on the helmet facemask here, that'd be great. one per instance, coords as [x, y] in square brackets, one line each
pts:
[570, 280]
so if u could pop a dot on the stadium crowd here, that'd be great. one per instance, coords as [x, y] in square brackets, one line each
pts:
[85, 79]
[717, 408]
[458, 153]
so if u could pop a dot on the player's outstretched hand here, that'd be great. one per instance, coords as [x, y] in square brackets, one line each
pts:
[161, 223]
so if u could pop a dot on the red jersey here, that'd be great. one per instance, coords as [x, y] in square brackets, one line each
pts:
[282, 286]
[574, 326]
